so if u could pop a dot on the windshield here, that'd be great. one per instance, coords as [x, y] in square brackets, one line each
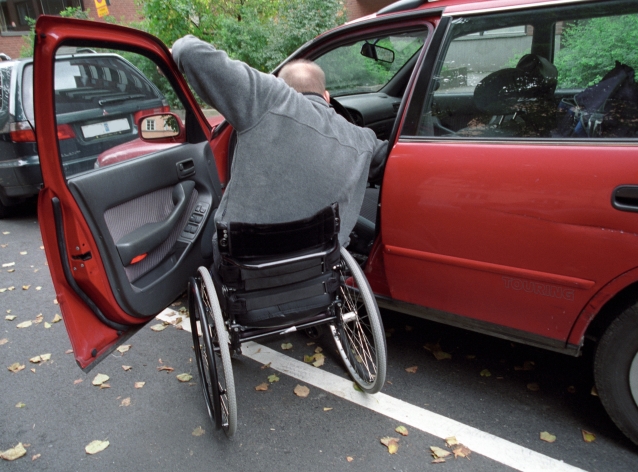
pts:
[368, 65]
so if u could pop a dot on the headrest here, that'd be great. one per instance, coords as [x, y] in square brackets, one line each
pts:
[533, 78]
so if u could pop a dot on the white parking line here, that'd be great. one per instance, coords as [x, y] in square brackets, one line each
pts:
[488, 445]
[480, 442]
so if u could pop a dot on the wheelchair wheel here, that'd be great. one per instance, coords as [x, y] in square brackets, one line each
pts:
[216, 344]
[358, 331]
[207, 374]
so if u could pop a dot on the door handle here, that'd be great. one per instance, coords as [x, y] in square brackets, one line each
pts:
[151, 235]
[625, 198]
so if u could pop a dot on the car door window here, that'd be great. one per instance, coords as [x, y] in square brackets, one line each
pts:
[99, 100]
[558, 73]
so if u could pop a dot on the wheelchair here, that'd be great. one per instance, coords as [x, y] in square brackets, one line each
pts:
[273, 279]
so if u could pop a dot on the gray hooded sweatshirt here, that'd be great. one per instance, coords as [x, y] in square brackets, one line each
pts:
[294, 154]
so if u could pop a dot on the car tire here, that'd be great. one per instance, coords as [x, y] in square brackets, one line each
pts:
[616, 371]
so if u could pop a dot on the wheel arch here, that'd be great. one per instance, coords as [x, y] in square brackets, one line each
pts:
[611, 300]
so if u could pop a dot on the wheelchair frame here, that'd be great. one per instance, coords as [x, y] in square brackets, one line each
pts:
[361, 346]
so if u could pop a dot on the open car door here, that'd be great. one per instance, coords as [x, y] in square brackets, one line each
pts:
[124, 220]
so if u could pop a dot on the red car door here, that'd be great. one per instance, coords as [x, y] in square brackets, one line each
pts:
[120, 240]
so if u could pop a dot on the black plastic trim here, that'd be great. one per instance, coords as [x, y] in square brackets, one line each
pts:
[479, 326]
[424, 81]
[401, 5]
[68, 275]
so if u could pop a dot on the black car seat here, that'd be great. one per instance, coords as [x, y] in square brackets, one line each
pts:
[516, 101]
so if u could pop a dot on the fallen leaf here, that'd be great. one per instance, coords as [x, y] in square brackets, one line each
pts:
[486, 373]
[158, 327]
[139, 384]
[39, 319]
[534, 387]
[123, 348]
[327, 408]
[198, 431]
[273, 378]
[412, 370]
[308, 359]
[438, 460]
[45, 357]
[402, 430]
[11, 271]
[319, 359]
[38, 288]
[391, 443]
[265, 366]
[20, 405]
[166, 368]
[35, 457]
[47, 325]
[56, 318]
[33, 370]
[2, 290]
[55, 301]
[6, 232]
[105, 385]
[461, 451]
[75, 382]
[11, 288]
[26, 287]
[35, 360]
[439, 453]
[262, 387]
[4, 245]
[23, 253]
[286, 346]
[24, 324]
[126, 402]
[302, 391]
[184, 377]
[10, 317]
[3, 341]
[318, 349]
[100, 379]
[451, 441]
[14, 453]
[8, 264]
[437, 352]
[349, 459]
[96, 446]
[356, 387]
[69, 351]
[547, 437]
[588, 437]
[16, 367]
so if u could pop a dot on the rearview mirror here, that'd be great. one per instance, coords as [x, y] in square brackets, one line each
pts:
[166, 127]
[378, 53]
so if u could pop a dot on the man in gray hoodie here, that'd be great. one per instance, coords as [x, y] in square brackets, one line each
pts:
[294, 154]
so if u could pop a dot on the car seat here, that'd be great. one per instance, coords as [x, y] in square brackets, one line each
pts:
[516, 101]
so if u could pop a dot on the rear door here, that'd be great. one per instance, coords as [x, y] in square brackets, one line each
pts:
[121, 239]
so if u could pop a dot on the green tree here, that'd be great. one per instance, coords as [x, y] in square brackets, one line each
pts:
[590, 48]
[70, 12]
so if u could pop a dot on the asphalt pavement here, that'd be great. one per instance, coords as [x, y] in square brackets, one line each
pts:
[498, 395]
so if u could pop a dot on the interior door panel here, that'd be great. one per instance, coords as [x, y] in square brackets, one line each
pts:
[123, 199]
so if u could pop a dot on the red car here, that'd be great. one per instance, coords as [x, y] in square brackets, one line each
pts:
[509, 199]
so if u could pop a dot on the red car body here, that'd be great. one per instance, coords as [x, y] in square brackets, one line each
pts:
[523, 238]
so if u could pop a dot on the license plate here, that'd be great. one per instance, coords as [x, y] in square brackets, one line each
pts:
[105, 128]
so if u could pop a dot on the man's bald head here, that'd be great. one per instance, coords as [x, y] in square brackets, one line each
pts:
[305, 77]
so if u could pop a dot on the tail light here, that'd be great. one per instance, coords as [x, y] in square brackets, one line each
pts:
[22, 132]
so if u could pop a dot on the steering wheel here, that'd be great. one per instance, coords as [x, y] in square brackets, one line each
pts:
[341, 110]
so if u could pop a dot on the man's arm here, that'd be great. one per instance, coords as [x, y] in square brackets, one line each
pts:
[239, 92]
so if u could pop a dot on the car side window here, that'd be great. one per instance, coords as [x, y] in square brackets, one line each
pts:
[553, 74]
[100, 98]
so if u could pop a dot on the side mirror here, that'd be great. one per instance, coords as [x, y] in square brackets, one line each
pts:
[378, 53]
[165, 127]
